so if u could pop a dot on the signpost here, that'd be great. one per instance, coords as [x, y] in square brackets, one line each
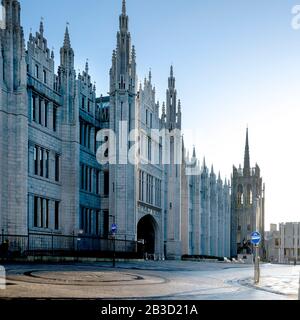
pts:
[114, 229]
[255, 240]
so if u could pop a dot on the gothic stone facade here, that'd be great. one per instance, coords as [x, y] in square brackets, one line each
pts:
[51, 137]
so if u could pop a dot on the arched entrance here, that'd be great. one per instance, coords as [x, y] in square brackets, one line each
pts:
[146, 231]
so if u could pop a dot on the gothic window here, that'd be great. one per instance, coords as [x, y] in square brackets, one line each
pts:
[97, 222]
[33, 108]
[41, 162]
[35, 212]
[106, 183]
[97, 182]
[149, 149]
[146, 117]
[83, 102]
[151, 121]
[140, 185]
[45, 76]
[82, 176]
[46, 113]
[240, 195]
[249, 195]
[36, 71]
[47, 164]
[89, 106]
[56, 215]
[40, 111]
[57, 164]
[35, 157]
[54, 118]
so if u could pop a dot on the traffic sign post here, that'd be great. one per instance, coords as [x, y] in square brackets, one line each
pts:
[114, 229]
[255, 240]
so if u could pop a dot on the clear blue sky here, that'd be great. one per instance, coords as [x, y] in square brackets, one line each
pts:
[236, 63]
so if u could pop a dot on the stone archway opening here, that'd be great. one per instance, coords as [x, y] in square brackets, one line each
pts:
[147, 232]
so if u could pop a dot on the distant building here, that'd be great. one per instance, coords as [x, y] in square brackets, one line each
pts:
[289, 244]
[272, 244]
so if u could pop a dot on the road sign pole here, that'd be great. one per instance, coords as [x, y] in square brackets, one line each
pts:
[114, 248]
[256, 266]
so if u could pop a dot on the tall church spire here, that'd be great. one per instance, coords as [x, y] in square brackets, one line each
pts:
[124, 8]
[247, 156]
[67, 42]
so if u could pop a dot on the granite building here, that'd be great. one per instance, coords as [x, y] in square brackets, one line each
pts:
[55, 132]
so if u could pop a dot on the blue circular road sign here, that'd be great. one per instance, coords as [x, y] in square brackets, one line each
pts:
[255, 238]
[114, 228]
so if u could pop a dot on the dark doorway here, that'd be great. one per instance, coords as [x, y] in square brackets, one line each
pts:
[146, 232]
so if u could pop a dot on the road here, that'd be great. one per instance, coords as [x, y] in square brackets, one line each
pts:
[170, 280]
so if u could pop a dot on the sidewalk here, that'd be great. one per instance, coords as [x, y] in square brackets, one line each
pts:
[287, 284]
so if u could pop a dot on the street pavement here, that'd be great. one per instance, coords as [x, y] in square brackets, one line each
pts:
[161, 280]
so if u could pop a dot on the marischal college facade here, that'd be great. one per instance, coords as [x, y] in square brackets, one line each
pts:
[64, 157]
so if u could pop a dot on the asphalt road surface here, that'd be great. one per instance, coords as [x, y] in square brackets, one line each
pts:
[165, 280]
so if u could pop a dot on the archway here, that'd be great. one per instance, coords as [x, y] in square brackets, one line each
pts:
[146, 231]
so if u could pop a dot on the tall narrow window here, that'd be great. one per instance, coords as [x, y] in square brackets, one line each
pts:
[54, 118]
[33, 108]
[89, 105]
[149, 149]
[83, 102]
[151, 121]
[45, 76]
[97, 182]
[47, 213]
[47, 164]
[82, 176]
[146, 117]
[46, 113]
[36, 160]
[89, 137]
[41, 162]
[36, 71]
[40, 111]
[35, 212]
[56, 215]
[90, 179]
[97, 223]
[57, 163]
[106, 183]
[42, 212]
[105, 223]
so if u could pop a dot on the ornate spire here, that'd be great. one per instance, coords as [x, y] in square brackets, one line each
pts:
[179, 106]
[171, 72]
[150, 76]
[124, 7]
[194, 152]
[247, 155]
[212, 170]
[67, 42]
[42, 26]
[87, 66]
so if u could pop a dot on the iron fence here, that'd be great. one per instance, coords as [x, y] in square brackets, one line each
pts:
[48, 244]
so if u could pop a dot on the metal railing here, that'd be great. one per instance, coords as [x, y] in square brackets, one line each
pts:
[48, 244]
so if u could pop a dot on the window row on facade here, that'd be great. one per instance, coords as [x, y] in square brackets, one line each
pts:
[94, 222]
[42, 158]
[46, 213]
[86, 104]
[43, 112]
[149, 189]
[91, 180]
[88, 136]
